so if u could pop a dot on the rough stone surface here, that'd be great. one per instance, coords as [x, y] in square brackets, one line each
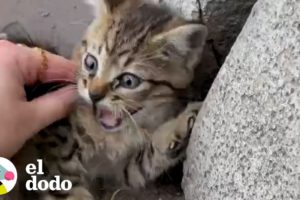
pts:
[225, 19]
[246, 142]
[188, 9]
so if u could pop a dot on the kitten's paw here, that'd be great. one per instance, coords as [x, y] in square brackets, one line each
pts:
[173, 137]
[184, 127]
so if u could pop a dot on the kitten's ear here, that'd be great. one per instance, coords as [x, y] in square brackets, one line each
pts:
[104, 6]
[188, 40]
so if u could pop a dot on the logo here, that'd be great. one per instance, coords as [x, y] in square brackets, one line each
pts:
[8, 176]
[35, 183]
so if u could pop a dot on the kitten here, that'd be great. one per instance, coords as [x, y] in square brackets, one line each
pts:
[131, 122]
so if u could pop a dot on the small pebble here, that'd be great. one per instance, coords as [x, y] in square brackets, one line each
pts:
[45, 13]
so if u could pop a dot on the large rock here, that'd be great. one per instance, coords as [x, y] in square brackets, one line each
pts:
[246, 142]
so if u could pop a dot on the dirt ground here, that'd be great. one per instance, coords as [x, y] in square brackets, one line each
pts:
[55, 22]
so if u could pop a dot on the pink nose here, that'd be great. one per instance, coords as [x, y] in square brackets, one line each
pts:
[9, 176]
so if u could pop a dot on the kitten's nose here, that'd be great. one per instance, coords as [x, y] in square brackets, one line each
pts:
[95, 97]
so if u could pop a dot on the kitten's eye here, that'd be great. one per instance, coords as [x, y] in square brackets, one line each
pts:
[91, 64]
[129, 81]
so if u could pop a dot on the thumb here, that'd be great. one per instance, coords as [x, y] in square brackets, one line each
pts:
[51, 107]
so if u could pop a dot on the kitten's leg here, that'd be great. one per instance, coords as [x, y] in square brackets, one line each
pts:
[62, 157]
[171, 139]
[72, 171]
[166, 148]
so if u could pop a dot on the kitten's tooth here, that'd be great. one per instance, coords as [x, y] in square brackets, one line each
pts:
[172, 146]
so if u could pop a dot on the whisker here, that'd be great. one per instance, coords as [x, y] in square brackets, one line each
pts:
[129, 115]
[129, 102]
[115, 194]
[132, 103]
[124, 98]
[120, 113]
[132, 106]
[127, 128]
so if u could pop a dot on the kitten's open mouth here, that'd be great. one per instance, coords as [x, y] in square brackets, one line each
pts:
[108, 120]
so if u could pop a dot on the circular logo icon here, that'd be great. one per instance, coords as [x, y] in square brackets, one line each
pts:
[8, 176]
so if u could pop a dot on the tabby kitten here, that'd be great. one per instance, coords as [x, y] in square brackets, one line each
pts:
[130, 124]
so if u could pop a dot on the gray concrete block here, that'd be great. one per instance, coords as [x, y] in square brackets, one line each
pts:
[246, 142]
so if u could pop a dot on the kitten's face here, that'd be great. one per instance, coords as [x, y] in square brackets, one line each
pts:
[134, 58]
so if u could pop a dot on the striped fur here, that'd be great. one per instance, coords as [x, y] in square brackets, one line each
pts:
[158, 52]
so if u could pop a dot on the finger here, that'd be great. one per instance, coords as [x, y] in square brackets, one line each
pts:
[58, 68]
[30, 61]
[51, 107]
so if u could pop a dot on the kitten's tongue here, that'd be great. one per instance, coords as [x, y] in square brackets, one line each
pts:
[107, 118]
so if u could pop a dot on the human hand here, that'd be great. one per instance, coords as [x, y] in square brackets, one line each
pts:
[20, 119]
